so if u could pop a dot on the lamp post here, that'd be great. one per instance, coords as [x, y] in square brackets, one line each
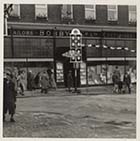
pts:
[76, 51]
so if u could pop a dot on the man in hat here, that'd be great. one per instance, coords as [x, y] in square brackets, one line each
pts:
[9, 96]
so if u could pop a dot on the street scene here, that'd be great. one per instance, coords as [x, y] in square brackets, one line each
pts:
[70, 73]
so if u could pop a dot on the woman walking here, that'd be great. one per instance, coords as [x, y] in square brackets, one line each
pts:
[44, 82]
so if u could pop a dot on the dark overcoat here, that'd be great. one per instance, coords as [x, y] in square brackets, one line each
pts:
[9, 97]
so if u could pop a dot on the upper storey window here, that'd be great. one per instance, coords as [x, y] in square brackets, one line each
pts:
[112, 12]
[132, 14]
[67, 12]
[90, 12]
[15, 12]
[41, 11]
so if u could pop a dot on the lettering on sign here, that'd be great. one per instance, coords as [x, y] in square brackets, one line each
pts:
[66, 33]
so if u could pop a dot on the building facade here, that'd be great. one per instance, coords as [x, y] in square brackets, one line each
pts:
[38, 35]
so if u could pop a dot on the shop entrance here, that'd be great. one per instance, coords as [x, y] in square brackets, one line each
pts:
[69, 67]
[66, 66]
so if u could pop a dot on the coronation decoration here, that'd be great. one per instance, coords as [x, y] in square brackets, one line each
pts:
[112, 48]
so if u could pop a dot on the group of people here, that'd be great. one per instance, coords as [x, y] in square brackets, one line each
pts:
[44, 80]
[14, 84]
[47, 81]
[119, 85]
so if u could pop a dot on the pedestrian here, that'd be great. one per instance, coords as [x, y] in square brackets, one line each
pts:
[117, 72]
[21, 82]
[116, 78]
[127, 82]
[69, 80]
[120, 86]
[52, 82]
[30, 79]
[115, 86]
[37, 80]
[44, 82]
[9, 97]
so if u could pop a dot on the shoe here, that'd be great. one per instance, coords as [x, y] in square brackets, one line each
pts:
[12, 120]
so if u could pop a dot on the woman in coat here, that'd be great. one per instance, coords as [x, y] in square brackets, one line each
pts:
[21, 82]
[115, 79]
[52, 82]
[44, 82]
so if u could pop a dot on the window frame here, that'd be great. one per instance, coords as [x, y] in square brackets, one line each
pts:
[93, 10]
[67, 17]
[18, 12]
[44, 7]
[113, 10]
[129, 11]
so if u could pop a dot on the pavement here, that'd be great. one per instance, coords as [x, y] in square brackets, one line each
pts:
[95, 90]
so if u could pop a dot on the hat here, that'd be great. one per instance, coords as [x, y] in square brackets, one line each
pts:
[8, 73]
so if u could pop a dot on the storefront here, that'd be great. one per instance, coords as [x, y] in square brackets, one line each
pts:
[36, 48]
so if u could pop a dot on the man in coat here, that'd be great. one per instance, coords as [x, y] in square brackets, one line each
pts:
[9, 97]
[44, 82]
[127, 81]
[116, 79]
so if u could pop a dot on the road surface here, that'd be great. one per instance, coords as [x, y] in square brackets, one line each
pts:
[74, 116]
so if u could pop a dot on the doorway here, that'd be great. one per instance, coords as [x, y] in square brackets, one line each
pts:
[66, 66]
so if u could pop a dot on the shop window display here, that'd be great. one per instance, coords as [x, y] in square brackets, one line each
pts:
[102, 74]
[83, 73]
[132, 72]
[133, 76]
[59, 72]
[97, 74]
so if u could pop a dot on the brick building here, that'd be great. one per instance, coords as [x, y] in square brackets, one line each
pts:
[38, 35]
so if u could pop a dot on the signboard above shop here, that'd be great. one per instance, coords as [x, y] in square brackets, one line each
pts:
[66, 33]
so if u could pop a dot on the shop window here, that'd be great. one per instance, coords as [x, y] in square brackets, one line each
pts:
[15, 12]
[90, 12]
[59, 73]
[112, 12]
[41, 11]
[132, 71]
[67, 12]
[110, 71]
[83, 73]
[97, 74]
[132, 14]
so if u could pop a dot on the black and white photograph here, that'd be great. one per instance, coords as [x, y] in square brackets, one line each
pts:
[69, 70]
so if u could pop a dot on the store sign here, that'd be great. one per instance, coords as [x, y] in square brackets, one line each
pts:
[66, 33]
[49, 33]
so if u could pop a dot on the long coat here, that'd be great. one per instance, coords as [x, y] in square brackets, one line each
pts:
[9, 97]
[116, 78]
[44, 81]
[21, 81]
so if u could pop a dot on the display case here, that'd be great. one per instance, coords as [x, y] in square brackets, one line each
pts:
[83, 73]
[59, 72]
